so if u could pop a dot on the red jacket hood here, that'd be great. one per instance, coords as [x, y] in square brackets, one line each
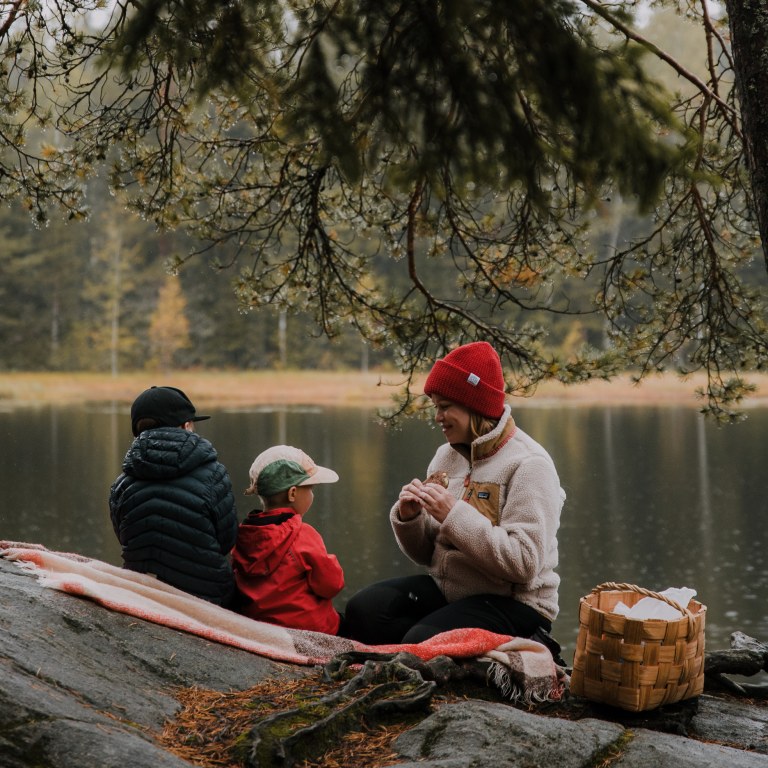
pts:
[263, 540]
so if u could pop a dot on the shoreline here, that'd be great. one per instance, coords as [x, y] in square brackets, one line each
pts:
[233, 389]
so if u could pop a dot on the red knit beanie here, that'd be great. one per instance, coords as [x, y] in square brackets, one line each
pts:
[470, 375]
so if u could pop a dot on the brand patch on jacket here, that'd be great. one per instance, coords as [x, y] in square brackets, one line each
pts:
[484, 497]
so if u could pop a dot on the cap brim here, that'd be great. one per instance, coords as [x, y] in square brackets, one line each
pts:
[321, 475]
[199, 418]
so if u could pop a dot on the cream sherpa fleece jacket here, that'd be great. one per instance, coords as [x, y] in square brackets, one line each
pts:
[500, 537]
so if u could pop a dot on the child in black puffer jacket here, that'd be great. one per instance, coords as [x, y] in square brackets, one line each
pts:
[172, 507]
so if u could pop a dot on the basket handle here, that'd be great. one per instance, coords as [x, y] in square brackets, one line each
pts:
[622, 587]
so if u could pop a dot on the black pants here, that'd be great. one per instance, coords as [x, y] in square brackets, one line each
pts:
[410, 609]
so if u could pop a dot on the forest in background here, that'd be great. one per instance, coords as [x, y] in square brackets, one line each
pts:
[100, 295]
[104, 294]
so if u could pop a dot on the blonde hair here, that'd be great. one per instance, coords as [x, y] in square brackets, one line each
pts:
[279, 499]
[481, 425]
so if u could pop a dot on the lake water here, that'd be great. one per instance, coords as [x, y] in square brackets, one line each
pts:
[657, 497]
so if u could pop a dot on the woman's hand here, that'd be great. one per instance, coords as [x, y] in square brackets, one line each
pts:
[410, 501]
[436, 500]
[433, 498]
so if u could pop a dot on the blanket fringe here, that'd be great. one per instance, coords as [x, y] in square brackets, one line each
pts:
[26, 566]
[500, 676]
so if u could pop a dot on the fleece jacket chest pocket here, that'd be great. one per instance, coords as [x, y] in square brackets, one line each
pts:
[484, 497]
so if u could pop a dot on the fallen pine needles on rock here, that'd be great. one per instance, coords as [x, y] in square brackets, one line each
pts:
[211, 726]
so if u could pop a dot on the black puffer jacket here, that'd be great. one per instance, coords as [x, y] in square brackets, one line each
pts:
[174, 513]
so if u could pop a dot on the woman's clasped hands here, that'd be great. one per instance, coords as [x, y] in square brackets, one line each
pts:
[435, 500]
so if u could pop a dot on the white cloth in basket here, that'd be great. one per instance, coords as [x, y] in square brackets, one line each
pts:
[653, 608]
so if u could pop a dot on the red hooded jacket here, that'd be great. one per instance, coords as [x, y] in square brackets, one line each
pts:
[284, 574]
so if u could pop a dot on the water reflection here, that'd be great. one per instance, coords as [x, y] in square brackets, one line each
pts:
[656, 496]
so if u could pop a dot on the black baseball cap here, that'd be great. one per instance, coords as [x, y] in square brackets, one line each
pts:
[168, 406]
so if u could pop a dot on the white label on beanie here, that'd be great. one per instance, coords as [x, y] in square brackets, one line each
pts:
[473, 379]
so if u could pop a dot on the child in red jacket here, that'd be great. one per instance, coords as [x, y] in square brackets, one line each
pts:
[282, 570]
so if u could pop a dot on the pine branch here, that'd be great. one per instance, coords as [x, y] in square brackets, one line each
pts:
[631, 34]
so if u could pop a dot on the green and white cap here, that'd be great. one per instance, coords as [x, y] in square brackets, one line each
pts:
[279, 468]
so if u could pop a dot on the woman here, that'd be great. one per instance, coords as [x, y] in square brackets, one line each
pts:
[489, 539]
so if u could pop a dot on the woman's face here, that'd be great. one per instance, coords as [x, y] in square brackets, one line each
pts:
[453, 419]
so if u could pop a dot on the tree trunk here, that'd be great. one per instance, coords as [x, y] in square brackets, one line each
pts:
[748, 21]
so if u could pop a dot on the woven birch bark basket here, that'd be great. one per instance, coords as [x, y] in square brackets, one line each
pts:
[637, 664]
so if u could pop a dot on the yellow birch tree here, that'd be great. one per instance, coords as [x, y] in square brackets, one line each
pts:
[169, 325]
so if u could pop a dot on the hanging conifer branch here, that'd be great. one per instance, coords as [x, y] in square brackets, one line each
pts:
[555, 177]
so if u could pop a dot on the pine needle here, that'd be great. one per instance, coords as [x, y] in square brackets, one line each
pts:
[210, 724]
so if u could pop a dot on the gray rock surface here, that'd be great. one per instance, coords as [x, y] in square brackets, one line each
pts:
[731, 721]
[661, 750]
[482, 734]
[84, 686]
[475, 733]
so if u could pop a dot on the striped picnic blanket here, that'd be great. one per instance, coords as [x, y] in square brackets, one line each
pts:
[522, 668]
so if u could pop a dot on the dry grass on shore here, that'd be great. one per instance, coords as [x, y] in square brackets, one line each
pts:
[205, 388]
[224, 389]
